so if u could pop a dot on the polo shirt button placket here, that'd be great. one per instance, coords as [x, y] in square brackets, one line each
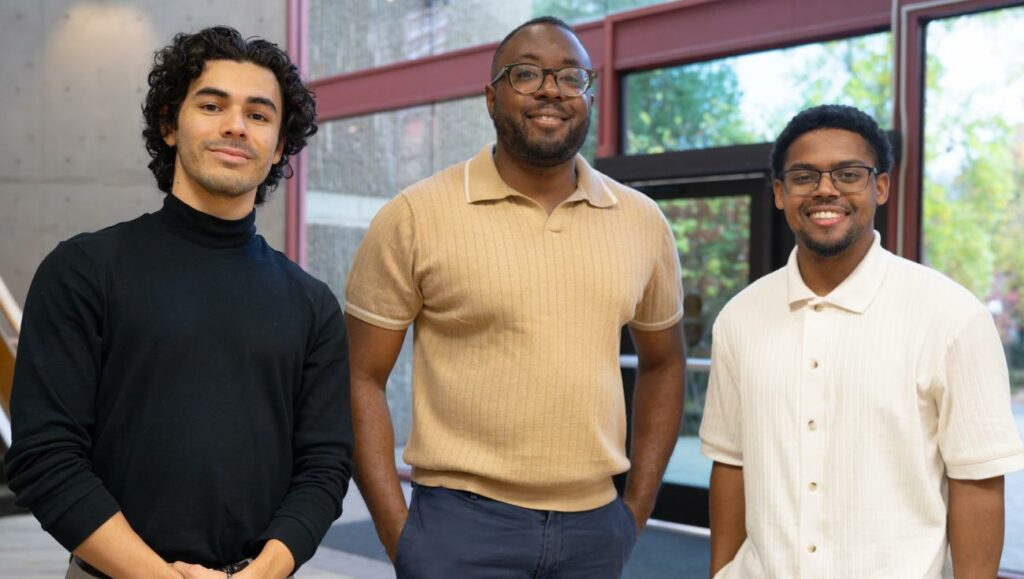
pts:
[813, 396]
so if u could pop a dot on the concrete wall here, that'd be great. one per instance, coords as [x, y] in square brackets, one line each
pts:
[71, 150]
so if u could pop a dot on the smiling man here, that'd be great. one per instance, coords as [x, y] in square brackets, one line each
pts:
[180, 401]
[858, 411]
[519, 269]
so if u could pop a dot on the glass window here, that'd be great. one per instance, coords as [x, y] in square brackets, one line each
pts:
[748, 99]
[713, 237]
[574, 11]
[349, 36]
[973, 214]
[355, 166]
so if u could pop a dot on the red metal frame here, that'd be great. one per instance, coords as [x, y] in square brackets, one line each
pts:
[909, 35]
[295, 192]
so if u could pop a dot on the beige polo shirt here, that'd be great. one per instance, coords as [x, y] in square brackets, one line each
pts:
[517, 317]
[847, 413]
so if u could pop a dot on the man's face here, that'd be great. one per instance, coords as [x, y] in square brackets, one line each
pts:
[227, 136]
[545, 128]
[827, 222]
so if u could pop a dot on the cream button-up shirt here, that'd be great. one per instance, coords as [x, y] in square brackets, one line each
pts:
[847, 412]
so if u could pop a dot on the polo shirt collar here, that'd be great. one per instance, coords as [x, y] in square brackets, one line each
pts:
[483, 183]
[856, 292]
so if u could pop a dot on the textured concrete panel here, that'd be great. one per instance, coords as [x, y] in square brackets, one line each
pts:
[72, 152]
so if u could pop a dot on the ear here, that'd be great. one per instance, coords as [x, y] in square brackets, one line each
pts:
[777, 191]
[882, 183]
[170, 137]
[166, 130]
[489, 95]
[279, 151]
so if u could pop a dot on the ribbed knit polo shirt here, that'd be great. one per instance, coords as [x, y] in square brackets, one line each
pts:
[848, 411]
[517, 314]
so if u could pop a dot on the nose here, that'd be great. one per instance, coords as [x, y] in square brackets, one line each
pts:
[826, 188]
[549, 86]
[233, 124]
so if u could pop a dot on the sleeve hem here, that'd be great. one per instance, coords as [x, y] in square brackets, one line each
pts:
[295, 536]
[81, 520]
[720, 455]
[376, 320]
[656, 326]
[987, 469]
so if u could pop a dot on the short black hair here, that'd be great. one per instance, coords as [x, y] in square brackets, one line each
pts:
[842, 117]
[550, 20]
[177, 65]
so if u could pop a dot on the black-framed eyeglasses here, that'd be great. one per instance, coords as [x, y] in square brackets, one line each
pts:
[852, 179]
[526, 78]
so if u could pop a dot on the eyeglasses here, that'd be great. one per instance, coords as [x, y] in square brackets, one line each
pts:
[852, 179]
[526, 78]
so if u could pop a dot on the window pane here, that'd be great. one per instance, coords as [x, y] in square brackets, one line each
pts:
[358, 164]
[574, 11]
[713, 237]
[973, 213]
[748, 99]
[349, 36]
[346, 36]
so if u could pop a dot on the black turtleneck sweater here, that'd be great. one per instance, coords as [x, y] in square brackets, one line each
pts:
[177, 368]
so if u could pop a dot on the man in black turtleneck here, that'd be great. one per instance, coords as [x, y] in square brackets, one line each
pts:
[180, 401]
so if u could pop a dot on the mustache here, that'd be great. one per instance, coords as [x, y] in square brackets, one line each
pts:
[548, 108]
[230, 144]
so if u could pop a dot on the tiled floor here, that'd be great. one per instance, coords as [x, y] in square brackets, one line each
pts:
[28, 552]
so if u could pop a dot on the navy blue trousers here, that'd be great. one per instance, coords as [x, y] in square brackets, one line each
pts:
[460, 535]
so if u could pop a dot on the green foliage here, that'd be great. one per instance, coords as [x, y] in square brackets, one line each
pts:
[973, 216]
[713, 237]
[854, 71]
[680, 108]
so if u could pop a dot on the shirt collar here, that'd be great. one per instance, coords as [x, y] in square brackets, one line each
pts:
[483, 183]
[856, 292]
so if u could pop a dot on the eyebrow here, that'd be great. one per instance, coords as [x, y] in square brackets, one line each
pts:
[568, 61]
[838, 165]
[216, 92]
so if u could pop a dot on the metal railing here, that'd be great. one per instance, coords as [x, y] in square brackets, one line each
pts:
[10, 328]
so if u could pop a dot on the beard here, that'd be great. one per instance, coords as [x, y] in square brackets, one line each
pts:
[217, 180]
[832, 248]
[827, 248]
[513, 135]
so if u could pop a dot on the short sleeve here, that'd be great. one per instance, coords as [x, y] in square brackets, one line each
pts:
[721, 432]
[382, 288]
[977, 435]
[661, 305]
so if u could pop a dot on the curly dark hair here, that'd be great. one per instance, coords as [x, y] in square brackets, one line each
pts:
[177, 65]
[833, 117]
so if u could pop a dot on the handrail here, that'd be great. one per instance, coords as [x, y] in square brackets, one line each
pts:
[10, 308]
[692, 364]
[12, 314]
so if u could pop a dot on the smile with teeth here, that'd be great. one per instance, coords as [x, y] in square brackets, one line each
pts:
[826, 216]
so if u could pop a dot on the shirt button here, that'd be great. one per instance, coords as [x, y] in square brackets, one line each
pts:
[813, 486]
[812, 425]
[818, 307]
[814, 364]
[811, 548]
